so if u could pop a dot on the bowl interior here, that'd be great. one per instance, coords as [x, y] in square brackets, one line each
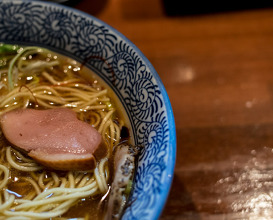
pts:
[125, 69]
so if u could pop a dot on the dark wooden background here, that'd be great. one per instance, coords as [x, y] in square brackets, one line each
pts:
[217, 67]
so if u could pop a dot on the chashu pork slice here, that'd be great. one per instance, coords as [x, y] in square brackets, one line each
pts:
[55, 138]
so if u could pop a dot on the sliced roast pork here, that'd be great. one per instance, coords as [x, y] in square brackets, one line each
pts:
[54, 137]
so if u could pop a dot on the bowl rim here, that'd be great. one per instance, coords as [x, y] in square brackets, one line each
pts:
[167, 182]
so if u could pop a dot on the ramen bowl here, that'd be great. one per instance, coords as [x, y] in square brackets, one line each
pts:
[129, 74]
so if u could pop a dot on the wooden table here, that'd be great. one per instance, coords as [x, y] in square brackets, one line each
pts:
[218, 71]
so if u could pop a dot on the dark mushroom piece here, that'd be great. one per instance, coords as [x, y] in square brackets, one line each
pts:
[125, 159]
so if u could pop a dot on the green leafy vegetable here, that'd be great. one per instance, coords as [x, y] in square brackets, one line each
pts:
[8, 48]
[7, 51]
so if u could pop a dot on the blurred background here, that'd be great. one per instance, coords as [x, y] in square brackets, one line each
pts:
[173, 7]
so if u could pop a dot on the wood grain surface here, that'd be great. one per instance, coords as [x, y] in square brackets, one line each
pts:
[218, 72]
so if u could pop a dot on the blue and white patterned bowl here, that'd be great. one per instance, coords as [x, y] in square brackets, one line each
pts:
[136, 83]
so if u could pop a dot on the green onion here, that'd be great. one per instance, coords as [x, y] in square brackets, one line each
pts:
[7, 51]
[8, 48]
[109, 105]
[128, 187]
